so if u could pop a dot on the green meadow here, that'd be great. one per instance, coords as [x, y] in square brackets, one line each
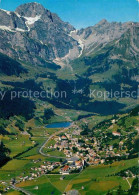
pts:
[96, 180]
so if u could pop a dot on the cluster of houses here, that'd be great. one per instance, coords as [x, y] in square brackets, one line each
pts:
[64, 168]
[37, 171]
[72, 164]
[83, 151]
[78, 150]
[82, 147]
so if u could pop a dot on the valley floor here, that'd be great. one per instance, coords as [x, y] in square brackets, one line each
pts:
[37, 162]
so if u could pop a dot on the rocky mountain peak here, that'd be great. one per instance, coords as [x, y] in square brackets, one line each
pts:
[103, 22]
[36, 34]
[30, 9]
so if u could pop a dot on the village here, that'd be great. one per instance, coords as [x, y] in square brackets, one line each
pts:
[79, 151]
[74, 150]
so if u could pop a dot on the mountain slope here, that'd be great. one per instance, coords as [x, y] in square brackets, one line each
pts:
[96, 37]
[114, 68]
[102, 57]
[35, 35]
[9, 67]
[118, 54]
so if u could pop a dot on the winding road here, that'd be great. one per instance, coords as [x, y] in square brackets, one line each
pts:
[41, 152]
[42, 147]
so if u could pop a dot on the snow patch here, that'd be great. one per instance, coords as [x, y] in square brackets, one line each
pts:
[8, 12]
[76, 37]
[17, 15]
[21, 30]
[41, 42]
[72, 32]
[81, 45]
[8, 28]
[32, 20]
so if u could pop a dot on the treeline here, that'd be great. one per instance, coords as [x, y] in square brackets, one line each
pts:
[132, 191]
[4, 152]
[48, 113]
[131, 170]
[21, 153]
[10, 67]
[18, 106]
[3, 125]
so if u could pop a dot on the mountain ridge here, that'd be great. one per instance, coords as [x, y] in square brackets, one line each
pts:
[48, 32]
[33, 34]
[101, 57]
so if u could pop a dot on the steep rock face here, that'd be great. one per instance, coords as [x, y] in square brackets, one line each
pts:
[32, 10]
[116, 61]
[127, 47]
[11, 21]
[34, 34]
[96, 37]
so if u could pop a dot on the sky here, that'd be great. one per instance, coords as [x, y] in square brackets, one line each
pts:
[84, 13]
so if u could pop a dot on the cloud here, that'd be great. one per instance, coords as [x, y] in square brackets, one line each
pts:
[138, 0]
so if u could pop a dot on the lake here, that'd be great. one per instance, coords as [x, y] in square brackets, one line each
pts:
[59, 125]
